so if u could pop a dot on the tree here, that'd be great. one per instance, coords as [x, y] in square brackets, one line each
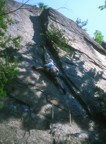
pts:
[102, 7]
[81, 23]
[8, 64]
[42, 6]
[98, 37]
[12, 11]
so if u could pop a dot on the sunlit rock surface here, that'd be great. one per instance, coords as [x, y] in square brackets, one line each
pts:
[38, 111]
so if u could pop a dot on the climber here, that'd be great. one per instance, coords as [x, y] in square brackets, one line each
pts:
[49, 67]
[54, 72]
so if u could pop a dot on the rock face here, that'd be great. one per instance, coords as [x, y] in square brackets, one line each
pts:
[38, 111]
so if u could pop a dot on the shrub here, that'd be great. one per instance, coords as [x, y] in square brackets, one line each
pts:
[81, 23]
[56, 37]
[42, 6]
[98, 37]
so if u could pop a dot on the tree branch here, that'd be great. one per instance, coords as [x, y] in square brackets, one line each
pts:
[12, 11]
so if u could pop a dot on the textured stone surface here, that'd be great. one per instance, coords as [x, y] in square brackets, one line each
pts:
[41, 113]
[86, 68]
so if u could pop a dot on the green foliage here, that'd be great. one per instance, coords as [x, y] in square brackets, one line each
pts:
[1, 104]
[3, 24]
[16, 41]
[8, 49]
[56, 38]
[42, 6]
[98, 37]
[81, 23]
[102, 7]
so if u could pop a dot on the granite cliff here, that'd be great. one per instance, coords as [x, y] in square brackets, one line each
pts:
[37, 111]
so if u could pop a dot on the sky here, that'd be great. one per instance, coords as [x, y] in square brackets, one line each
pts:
[82, 9]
